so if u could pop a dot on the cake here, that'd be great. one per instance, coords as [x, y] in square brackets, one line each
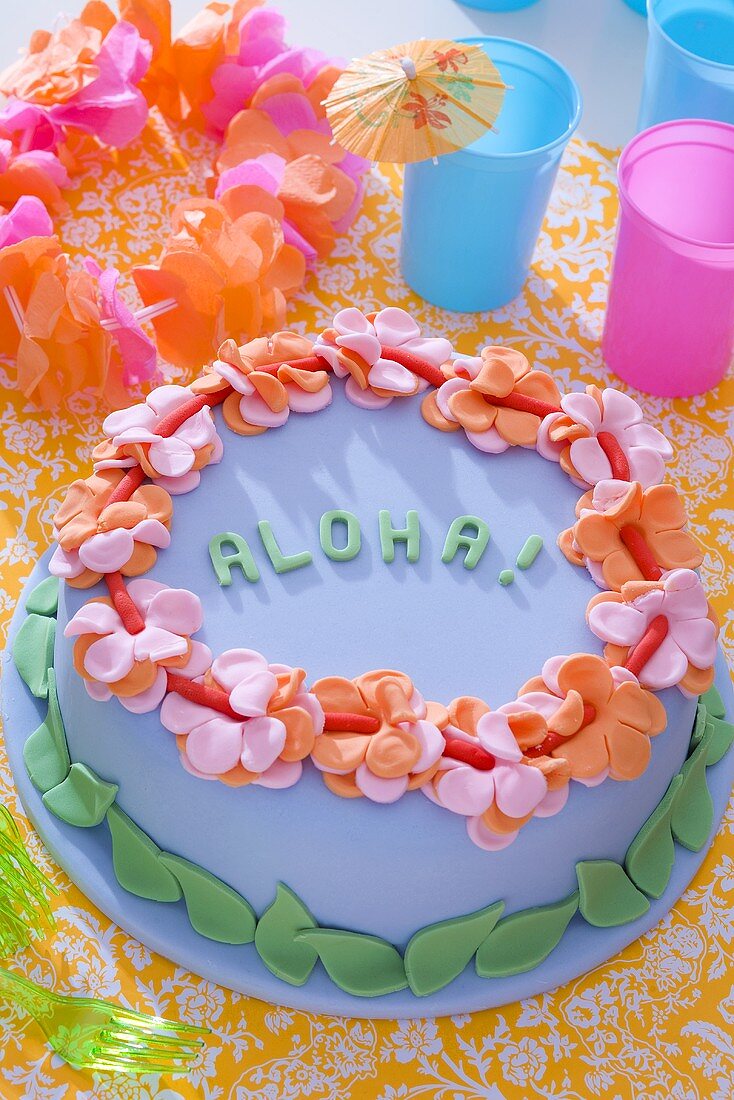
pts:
[406, 708]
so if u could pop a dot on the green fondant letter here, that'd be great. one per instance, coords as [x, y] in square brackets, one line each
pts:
[282, 563]
[223, 563]
[410, 535]
[475, 544]
[326, 535]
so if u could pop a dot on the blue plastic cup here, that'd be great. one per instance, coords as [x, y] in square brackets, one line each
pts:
[471, 221]
[689, 68]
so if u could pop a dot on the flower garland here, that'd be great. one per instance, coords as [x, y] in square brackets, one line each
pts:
[280, 192]
[240, 720]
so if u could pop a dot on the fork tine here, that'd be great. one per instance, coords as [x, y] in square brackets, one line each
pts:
[154, 1043]
[155, 1023]
[114, 1064]
[130, 1034]
[141, 1059]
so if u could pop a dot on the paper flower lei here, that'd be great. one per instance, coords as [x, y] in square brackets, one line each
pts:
[239, 719]
[280, 194]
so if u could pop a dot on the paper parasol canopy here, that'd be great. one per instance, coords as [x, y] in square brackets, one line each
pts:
[415, 101]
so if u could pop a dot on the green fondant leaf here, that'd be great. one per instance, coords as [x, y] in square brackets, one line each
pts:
[720, 739]
[135, 859]
[82, 799]
[33, 652]
[713, 702]
[275, 938]
[523, 940]
[438, 953]
[362, 965]
[651, 855]
[44, 598]
[45, 752]
[215, 909]
[607, 896]
[693, 810]
[699, 724]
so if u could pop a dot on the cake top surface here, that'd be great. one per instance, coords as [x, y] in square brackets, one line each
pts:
[487, 698]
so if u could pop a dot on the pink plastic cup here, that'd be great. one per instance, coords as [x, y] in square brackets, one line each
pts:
[670, 319]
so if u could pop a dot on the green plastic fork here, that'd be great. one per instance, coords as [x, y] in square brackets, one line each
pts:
[97, 1035]
[87, 1033]
[24, 909]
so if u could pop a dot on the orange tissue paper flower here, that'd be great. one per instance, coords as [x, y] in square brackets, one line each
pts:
[231, 277]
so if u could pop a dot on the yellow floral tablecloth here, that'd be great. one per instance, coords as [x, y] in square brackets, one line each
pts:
[657, 1022]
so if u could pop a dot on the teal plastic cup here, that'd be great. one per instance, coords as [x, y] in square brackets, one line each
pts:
[471, 220]
[689, 67]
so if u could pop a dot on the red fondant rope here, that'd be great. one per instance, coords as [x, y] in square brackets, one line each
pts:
[343, 722]
[474, 755]
[553, 740]
[523, 403]
[124, 606]
[132, 480]
[617, 458]
[648, 644]
[202, 694]
[638, 547]
[413, 363]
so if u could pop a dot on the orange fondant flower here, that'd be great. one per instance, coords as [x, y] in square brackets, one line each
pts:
[96, 537]
[262, 399]
[229, 276]
[57, 66]
[398, 747]
[623, 527]
[496, 398]
[599, 719]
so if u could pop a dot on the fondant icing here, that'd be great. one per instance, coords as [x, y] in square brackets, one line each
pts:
[577, 730]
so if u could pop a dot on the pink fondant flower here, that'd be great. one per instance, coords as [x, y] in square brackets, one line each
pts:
[96, 537]
[173, 462]
[687, 651]
[111, 107]
[135, 348]
[577, 436]
[516, 789]
[275, 730]
[28, 218]
[133, 666]
[353, 348]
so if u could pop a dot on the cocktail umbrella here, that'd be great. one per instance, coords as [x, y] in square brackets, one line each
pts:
[415, 101]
